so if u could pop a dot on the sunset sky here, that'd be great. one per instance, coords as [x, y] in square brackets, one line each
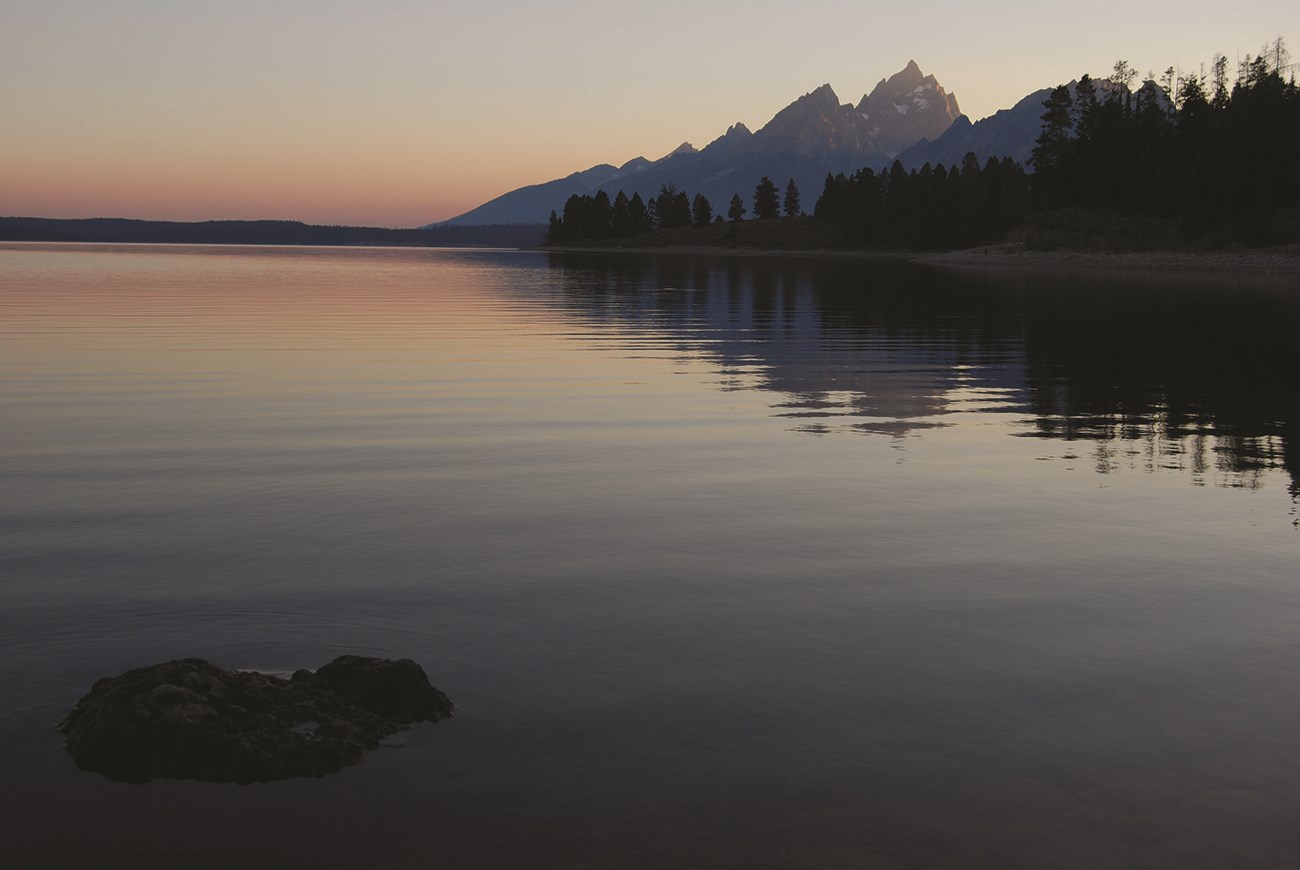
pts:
[398, 113]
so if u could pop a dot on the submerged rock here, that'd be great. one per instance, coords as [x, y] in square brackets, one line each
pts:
[188, 719]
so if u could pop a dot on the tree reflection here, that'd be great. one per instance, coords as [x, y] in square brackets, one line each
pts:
[1155, 372]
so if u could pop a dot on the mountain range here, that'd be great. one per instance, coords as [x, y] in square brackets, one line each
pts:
[1008, 132]
[907, 117]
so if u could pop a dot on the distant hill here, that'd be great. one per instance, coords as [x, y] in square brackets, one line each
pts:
[27, 229]
[813, 136]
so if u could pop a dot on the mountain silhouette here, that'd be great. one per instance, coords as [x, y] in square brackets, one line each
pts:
[1008, 132]
[814, 136]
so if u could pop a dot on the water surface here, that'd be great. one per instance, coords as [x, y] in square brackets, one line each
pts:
[727, 562]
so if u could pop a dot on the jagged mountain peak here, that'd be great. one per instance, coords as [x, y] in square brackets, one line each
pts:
[684, 148]
[907, 77]
[905, 108]
[812, 137]
[823, 94]
[910, 85]
[737, 134]
[822, 99]
[814, 107]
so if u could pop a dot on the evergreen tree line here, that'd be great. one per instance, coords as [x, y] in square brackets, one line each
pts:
[1204, 152]
[597, 218]
[1209, 154]
[927, 208]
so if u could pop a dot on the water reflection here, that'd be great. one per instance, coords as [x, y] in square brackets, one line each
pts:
[1146, 372]
[698, 612]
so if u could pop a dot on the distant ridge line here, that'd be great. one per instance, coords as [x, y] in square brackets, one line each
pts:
[263, 232]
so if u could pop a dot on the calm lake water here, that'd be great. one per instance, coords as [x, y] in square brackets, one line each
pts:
[727, 562]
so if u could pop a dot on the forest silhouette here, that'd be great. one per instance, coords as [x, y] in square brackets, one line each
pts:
[1190, 161]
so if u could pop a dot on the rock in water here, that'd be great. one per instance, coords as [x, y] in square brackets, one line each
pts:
[188, 719]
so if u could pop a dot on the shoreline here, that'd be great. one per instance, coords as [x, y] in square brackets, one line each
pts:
[1284, 260]
[1267, 261]
[720, 251]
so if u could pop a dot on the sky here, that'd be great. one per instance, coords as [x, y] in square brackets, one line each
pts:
[400, 113]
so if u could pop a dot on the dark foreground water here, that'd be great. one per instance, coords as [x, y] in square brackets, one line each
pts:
[728, 563]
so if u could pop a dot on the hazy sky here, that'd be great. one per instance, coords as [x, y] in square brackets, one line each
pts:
[398, 113]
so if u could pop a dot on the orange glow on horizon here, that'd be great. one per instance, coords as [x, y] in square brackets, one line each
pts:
[336, 113]
[255, 190]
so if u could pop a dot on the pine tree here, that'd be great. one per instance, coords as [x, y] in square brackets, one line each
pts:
[618, 222]
[672, 207]
[792, 200]
[601, 215]
[1219, 81]
[898, 208]
[737, 210]
[638, 216]
[1085, 106]
[767, 203]
[1123, 75]
[1051, 149]
[701, 211]
[974, 201]
[575, 217]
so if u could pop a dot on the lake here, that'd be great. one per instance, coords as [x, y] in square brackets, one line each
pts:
[727, 562]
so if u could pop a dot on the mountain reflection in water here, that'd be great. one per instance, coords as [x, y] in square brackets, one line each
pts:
[728, 562]
[1135, 371]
